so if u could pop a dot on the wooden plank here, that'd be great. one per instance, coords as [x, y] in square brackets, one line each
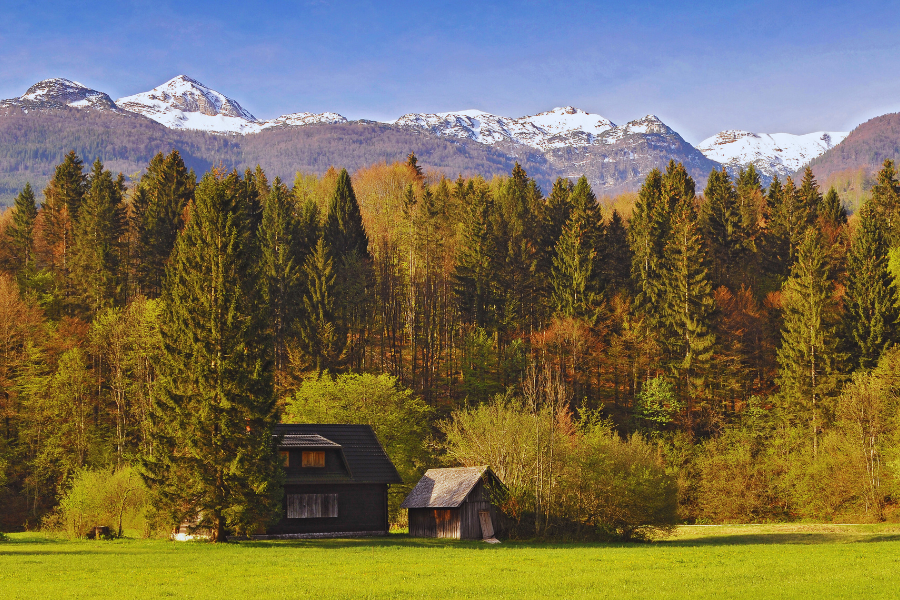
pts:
[487, 528]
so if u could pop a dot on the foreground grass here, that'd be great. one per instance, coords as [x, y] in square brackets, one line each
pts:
[778, 561]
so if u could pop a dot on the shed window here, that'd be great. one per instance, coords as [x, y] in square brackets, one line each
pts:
[285, 457]
[314, 458]
[310, 506]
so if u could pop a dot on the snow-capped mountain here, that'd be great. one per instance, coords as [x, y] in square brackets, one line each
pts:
[771, 153]
[58, 93]
[185, 103]
[563, 126]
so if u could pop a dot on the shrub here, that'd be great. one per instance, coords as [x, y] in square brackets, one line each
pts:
[113, 498]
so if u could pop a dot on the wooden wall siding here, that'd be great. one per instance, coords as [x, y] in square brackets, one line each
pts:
[457, 523]
[360, 507]
[311, 506]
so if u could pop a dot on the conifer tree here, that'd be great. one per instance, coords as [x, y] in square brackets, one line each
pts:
[648, 234]
[573, 263]
[321, 336]
[343, 229]
[886, 202]
[689, 304]
[97, 267]
[809, 198]
[833, 211]
[590, 218]
[214, 416]
[475, 271]
[156, 218]
[723, 229]
[617, 267]
[554, 216]
[809, 356]
[21, 230]
[62, 200]
[278, 233]
[872, 311]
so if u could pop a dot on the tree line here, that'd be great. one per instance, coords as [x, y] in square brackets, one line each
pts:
[169, 322]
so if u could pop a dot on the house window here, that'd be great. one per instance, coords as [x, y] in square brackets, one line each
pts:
[314, 459]
[311, 506]
[285, 457]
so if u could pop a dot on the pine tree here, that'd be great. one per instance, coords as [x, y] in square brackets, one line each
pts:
[572, 273]
[21, 230]
[617, 267]
[833, 211]
[723, 230]
[872, 312]
[648, 233]
[216, 408]
[321, 336]
[343, 229]
[59, 212]
[97, 264]
[809, 198]
[278, 233]
[885, 202]
[554, 216]
[586, 210]
[474, 272]
[809, 358]
[689, 304]
[157, 217]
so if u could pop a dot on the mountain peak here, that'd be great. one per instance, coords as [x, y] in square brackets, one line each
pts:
[58, 92]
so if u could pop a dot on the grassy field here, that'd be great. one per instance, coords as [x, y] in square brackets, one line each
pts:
[778, 561]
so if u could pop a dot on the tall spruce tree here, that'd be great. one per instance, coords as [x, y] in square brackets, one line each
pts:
[809, 198]
[648, 233]
[216, 408]
[617, 267]
[885, 202]
[21, 231]
[723, 230]
[572, 273]
[832, 210]
[809, 354]
[587, 211]
[98, 266]
[157, 217]
[689, 339]
[473, 275]
[872, 311]
[278, 233]
[322, 337]
[59, 212]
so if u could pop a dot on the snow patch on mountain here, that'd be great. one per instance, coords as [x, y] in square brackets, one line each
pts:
[303, 118]
[556, 128]
[771, 153]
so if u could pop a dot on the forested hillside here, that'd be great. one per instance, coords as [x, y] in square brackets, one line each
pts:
[724, 355]
[33, 143]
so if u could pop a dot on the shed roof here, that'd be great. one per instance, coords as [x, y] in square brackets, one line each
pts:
[366, 459]
[445, 488]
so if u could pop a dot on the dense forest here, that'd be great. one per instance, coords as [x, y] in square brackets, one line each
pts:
[724, 355]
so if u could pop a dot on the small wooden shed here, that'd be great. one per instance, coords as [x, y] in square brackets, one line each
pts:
[446, 504]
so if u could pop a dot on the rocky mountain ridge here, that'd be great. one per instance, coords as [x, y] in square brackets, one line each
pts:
[568, 140]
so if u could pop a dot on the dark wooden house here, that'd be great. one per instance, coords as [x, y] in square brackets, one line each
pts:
[454, 503]
[336, 481]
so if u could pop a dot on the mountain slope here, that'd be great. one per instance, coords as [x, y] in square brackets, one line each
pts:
[772, 154]
[865, 148]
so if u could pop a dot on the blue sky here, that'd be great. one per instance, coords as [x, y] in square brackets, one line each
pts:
[701, 66]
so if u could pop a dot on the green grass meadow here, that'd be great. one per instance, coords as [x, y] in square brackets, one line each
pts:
[778, 561]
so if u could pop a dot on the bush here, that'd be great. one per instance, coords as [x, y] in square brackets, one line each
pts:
[565, 478]
[112, 498]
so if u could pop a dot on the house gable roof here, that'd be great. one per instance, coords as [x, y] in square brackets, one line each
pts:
[445, 488]
[364, 456]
